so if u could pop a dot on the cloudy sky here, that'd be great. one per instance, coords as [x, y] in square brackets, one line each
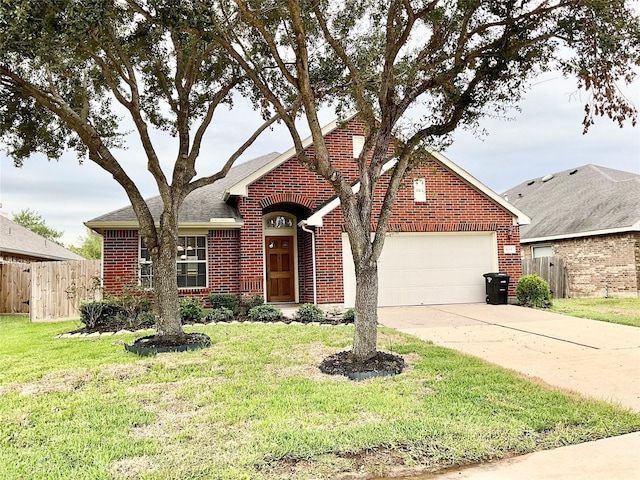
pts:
[545, 137]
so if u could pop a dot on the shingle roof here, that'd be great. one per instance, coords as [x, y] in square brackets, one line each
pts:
[18, 240]
[201, 205]
[584, 200]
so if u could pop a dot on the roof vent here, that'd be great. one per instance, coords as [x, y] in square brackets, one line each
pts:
[546, 178]
[573, 171]
[531, 183]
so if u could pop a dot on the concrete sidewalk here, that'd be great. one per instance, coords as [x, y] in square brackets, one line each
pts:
[595, 359]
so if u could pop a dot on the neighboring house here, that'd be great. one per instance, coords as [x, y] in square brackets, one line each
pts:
[19, 244]
[589, 216]
[273, 228]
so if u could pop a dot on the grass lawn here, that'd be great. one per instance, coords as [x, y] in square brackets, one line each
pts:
[255, 406]
[625, 311]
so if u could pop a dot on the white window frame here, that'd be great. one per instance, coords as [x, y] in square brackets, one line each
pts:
[187, 243]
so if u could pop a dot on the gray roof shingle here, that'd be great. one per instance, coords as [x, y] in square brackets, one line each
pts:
[20, 241]
[199, 206]
[576, 201]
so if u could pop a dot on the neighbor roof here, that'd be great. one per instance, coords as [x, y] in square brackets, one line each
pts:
[20, 241]
[204, 206]
[584, 201]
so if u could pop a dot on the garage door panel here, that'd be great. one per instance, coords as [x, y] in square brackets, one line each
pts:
[429, 268]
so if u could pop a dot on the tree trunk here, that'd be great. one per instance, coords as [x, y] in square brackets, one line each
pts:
[165, 282]
[365, 335]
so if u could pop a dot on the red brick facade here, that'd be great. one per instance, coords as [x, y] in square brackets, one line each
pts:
[236, 257]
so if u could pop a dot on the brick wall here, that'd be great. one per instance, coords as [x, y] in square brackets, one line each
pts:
[599, 265]
[451, 206]
[224, 257]
[236, 262]
[120, 259]
[120, 264]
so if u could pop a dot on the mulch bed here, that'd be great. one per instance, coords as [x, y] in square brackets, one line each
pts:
[113, 327]
[344, 363]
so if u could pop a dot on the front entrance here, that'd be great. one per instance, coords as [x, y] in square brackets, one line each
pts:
[280, 269]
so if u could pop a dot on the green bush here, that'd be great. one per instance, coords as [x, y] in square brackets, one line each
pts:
[220, 314]
[309, 313]
[191, 311]
[349, 316]
[247, 302]
[533, 291]
[265, 313]
[99, 313]
[135, 305]
[226, 300]
[145, 319]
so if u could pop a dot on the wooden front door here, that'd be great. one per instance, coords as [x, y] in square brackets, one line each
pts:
[280, 269]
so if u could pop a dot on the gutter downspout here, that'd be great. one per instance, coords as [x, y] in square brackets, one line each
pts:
[303, 226]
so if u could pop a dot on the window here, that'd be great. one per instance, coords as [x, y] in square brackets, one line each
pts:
[358, 145]
[191, 263]
[419, 190]
[542, 251]
[279, 221]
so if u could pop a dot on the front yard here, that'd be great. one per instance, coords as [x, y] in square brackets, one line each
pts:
[625, 311]
[255, 406]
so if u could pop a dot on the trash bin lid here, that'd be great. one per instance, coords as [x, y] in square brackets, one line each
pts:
[495, 275]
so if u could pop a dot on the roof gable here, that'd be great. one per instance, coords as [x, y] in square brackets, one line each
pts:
[241, 188]
[20, 241]
[316, 219]
[582, 201]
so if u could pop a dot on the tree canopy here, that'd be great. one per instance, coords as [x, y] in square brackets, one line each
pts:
[33, 221]
[416, 71]
[64, 67]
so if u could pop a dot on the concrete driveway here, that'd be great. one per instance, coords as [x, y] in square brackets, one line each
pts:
[593, 358]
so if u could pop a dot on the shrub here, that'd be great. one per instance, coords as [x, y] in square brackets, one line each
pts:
[220, 314]
[309, 313]
[265, 313]
[99, 313]
[145, 319]
[135, 304]
[226, 300]
[349, 316]
[247, 302]
[191, 311]
[533, 291]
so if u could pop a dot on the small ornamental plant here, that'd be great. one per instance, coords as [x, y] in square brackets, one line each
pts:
[220, 314]
[226, 300]
[247, 302]
[349, 316]
[308, 313]
[191, 311]
[533, 291]
[265, 313]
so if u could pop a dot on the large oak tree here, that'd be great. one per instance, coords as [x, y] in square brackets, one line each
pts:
[415, 71]
[65, 64]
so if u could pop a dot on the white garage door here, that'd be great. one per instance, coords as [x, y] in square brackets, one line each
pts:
[428, 268]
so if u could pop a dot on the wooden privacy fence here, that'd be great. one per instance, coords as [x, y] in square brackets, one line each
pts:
[58, 288]
[553, 270]
[49, 290]
[15, 287]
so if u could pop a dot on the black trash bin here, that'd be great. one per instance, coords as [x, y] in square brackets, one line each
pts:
[497, 288]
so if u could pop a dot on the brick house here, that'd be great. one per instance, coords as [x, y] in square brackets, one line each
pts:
[590, 217]
[273, 228]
